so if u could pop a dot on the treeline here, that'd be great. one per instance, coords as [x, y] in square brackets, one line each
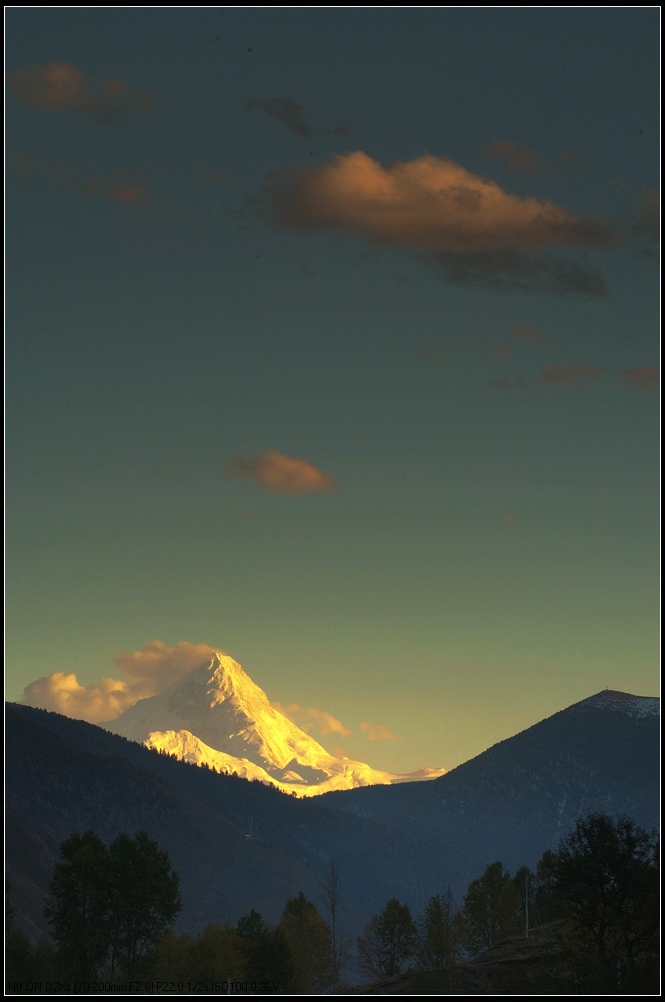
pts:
[111, 912]
[602, 884]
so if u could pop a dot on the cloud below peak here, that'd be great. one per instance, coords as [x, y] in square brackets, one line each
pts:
[309, 719]
[377, 732]
[148, 671]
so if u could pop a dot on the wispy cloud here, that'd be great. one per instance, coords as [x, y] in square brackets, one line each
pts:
[147, 672]
[129, 188]
[512, 270]
[529, 335]
[292, 117]
[640, 377]
[576, 377]
[518, 159]
[62, 87]
[281, 474]
[572, 376]
[310, 719]
[510, 521]
[377, 732]
[648, 225]
[500, 349]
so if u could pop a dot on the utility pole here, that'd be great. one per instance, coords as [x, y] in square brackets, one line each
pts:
[526, 900]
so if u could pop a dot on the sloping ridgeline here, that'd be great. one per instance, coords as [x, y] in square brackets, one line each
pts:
[522, 795]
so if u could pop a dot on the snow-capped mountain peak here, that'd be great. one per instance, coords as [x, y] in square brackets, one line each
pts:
[219, 716]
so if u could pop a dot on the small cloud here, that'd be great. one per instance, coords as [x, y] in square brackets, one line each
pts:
[572, 376]
[291, 116]
[377, 732]
[310, 719]
[61, 87]
[518, 159]
[510, 521]
[116, 190]
[501, 348]
[511, 270]
[281, 474]
[149, 671]
[640, 377]
[241, 512]
[427, 202]
[529, 335]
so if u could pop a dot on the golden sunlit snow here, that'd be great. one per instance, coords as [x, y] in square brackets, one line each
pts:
[218, 717]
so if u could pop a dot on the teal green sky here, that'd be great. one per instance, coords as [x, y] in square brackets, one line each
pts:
[398, 454]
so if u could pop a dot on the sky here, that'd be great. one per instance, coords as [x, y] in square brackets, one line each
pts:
[332, 343]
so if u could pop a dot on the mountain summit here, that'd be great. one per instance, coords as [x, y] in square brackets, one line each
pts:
[217, 716]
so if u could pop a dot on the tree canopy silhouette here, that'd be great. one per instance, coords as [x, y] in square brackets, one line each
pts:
[109, 906]
[388, 942]
[491, 907]
[607, 874]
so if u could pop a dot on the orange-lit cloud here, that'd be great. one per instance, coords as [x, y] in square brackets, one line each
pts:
[428, 202]
[291, 116]
[572, 376]
[148, 671]
[377, 732]
[310, 719]
[640, 377]
[61, 87]
[529, 334]
[129, 188]
[281, 474]
[510, 521]
[61, 693]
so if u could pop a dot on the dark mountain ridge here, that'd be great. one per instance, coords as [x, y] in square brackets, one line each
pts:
[408, 841]
[520, 796]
